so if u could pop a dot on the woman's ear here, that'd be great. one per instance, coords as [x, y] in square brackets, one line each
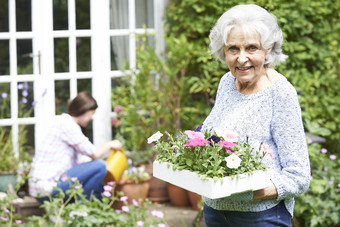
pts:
[268, 51]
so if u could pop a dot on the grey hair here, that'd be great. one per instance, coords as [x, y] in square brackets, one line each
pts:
[250, 18]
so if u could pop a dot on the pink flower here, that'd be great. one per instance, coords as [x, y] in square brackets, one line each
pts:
[157, 213]
[227, 135]
[134, 202]
[64, 178]
[118, 108]
[194, 135]
[227, 145]
[3, 218]
[18, 221]
[123, 198]
[20, 172]
[125, 209]
[323, 150]
[107, 194]
[74, 179]
[111, 183]
[267, 150]
[108, 188]
[330, 182]
[7, 210]
[140, 223]
[114, 120]
[78, 186]
[332, 157]
[196, 142]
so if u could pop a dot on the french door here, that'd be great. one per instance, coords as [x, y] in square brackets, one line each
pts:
[52, 49]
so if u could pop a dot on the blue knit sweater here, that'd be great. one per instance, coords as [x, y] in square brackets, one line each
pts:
[271, 116]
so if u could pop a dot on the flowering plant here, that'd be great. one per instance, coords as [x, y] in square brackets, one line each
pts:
[72, 208]
[214, 154]
[136, 174]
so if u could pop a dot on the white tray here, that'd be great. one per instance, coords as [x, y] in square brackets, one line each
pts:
[209, 188]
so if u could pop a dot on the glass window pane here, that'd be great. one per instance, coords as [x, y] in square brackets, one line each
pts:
[60, 15]
[145, 39]
[61, 56]
[4, 16]
[24, 56]
[83, 54]
[83, 14]
[4, 57]
[84, 85]
[62, 96]
[5, 100]
[25, 99]
[23, 15]
[119, 52]
[144, 13]
[119, 14]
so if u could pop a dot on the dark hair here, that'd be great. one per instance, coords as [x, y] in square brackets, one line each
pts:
[81, 103]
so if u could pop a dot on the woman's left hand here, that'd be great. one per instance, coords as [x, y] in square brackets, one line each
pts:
[269, 192]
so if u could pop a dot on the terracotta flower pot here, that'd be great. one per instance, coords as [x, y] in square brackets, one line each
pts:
[194, 199]
[134, 191]
[158, 191]
[178, 196]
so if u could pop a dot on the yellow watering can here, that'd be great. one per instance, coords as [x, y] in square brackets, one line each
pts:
[116, 164]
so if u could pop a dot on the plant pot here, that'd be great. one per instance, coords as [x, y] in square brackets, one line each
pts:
[194, 199]
[178, 196]
[6, 179]
[158, 191]
[134, 191]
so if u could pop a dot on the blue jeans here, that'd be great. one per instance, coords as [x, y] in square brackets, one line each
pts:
[276, 216]
[89, 174]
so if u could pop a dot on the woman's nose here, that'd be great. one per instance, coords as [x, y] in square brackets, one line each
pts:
[242, 58]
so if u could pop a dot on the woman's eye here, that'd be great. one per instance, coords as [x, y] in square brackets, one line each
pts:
[252, 48]
[232, 49]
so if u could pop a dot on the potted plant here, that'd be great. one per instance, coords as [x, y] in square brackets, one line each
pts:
[213, 164]
[134, 185]
[10, 161]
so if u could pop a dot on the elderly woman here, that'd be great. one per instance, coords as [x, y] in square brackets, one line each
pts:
[260, 104]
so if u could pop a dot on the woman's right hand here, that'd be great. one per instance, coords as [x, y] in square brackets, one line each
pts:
[116, 145]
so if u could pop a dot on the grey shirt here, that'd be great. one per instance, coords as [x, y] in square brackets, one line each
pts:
[271, 116]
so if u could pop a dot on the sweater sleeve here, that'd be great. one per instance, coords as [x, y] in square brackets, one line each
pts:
[293, 176]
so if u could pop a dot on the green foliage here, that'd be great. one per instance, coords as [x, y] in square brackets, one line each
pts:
[156, 94]
[311, 31]
[320, 205]
[73, 209]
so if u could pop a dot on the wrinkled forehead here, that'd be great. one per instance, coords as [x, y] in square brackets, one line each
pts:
[242, 33]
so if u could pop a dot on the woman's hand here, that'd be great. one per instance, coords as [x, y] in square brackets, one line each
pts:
[269, 192]
[115, 144]
[104, 148]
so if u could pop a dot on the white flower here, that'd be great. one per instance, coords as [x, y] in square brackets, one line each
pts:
[78, 213]
[233, 161]
[155, 137]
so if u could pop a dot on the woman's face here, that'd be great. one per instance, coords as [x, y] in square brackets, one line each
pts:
[245, 55]
[85, 118]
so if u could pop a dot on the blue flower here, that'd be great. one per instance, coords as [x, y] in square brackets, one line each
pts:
[198, 129]
[214, 138]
